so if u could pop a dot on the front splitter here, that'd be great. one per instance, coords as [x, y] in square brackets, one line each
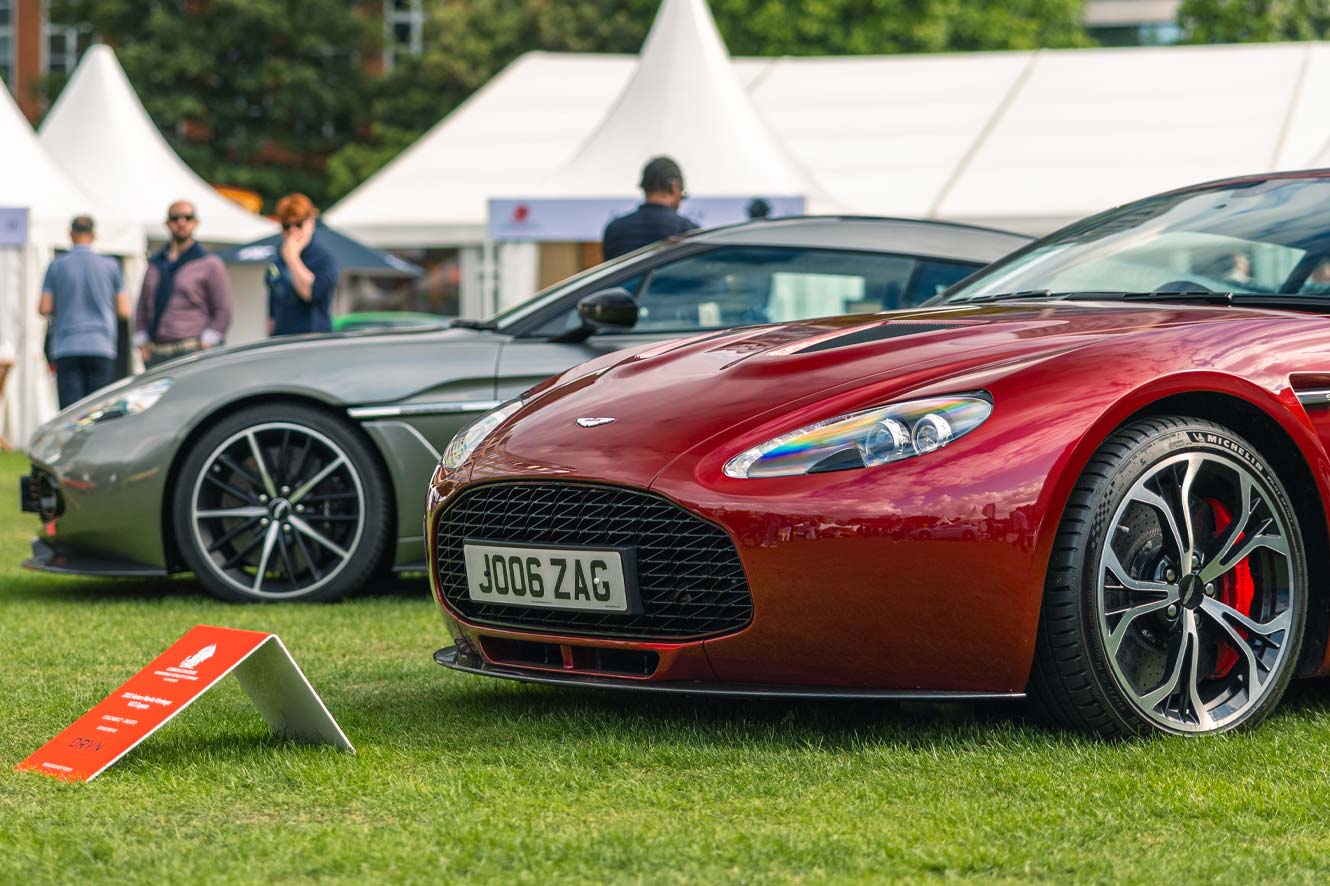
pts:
[450, 658]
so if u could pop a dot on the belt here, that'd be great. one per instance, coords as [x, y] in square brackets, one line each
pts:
[175, 347]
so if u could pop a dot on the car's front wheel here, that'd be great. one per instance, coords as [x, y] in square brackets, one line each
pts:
[1177, 591]
[281, 502]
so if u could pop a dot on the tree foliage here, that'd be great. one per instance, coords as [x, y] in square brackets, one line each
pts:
[1254, 21]
[252, 93]
[259, 93]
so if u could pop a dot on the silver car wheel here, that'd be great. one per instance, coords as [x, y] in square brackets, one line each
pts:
[278, 510]
[1196, 593]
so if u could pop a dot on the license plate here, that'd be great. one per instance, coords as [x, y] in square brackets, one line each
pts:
[590, 579]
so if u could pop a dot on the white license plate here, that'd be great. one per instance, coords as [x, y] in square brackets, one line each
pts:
[553, 578]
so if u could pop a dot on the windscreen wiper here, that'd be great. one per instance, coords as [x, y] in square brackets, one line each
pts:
[486, 325]
[1012, 296]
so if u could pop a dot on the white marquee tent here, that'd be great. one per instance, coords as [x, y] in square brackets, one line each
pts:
[32, 184]
[101, 135]
[1026, 140]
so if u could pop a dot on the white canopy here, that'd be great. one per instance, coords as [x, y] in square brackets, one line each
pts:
[30, 181]
[1028, 140]
[103, 138]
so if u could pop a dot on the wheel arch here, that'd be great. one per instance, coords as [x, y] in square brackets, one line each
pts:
[170, 546]
[1243, 411]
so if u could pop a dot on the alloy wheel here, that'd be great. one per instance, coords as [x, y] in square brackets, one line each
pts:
[278, 510]
[1196, 593]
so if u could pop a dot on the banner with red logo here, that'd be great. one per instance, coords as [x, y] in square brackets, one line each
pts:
[191, 666]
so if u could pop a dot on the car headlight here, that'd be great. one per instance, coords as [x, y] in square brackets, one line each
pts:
[470, 437]
[126, 401]
[863, 439]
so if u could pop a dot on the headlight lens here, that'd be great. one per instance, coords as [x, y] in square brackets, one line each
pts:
[863, 439]
[467, 439]
[127, 401]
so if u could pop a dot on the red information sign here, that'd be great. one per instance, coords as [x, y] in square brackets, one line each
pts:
[182, 673]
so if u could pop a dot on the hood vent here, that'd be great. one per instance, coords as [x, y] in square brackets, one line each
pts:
[880, 332]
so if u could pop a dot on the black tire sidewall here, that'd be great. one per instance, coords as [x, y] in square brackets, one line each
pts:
[364, 461]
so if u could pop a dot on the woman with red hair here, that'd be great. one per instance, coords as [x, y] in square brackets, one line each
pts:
[303, 278]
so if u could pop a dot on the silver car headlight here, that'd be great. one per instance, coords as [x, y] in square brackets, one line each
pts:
[864, 439]
[129, 400]
[470, 437]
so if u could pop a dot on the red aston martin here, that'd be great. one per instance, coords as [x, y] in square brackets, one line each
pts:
[1095, 472]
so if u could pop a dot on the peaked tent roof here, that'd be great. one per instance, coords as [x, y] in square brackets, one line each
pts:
[30, 179]
[683, 100]
[100, 133]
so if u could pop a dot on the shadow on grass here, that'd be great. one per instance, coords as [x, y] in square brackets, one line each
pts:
[48, 588]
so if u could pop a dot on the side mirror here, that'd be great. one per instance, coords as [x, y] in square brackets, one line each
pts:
[610, 310]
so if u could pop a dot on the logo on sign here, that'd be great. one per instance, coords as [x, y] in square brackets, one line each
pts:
[199, 657]
[593, 422]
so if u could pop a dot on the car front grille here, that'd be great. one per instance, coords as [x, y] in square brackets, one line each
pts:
[689, 577]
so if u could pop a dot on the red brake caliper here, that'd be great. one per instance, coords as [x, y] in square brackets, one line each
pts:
[1235, 589]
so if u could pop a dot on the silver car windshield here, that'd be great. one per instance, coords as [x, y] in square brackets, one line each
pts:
[566, 285]
[1263, 238]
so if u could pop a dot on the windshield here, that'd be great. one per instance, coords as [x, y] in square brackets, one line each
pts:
[590, 275]
[1261, 238]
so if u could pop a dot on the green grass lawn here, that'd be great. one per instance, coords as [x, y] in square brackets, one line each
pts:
[462, 779]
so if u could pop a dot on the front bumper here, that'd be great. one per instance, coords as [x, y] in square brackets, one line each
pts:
[64, 561]
[457, 660]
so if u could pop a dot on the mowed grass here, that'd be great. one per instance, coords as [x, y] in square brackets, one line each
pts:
[464, 779]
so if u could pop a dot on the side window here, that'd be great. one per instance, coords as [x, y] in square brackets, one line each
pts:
[933, 277]
[742, 285]
[567, 319]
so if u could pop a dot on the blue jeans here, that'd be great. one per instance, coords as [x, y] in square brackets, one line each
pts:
[77, 377]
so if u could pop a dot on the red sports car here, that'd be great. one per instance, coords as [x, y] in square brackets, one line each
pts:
[1094, 473]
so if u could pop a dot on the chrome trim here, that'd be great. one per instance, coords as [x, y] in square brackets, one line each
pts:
[451, 407]
[449, 657]
[1314, 398]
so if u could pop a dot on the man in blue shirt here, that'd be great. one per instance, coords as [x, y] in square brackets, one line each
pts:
[657, 218]
[83, 294]
[303, 279]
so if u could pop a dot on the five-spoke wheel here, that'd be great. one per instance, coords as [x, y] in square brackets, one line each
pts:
[281, 504]
[1176, 597]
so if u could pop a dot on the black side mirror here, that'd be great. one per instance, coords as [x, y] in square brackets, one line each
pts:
[609, 310]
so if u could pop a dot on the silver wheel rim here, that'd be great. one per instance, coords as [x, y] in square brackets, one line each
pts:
[277, 511]
[1196, 593]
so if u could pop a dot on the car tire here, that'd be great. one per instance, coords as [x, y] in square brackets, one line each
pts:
[281, 502]
[1133, 640]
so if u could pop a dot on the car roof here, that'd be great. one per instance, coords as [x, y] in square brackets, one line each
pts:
[935, 239]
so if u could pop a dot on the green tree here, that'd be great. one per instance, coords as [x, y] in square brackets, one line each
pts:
[469, 41]
[252, 93]
[1254, 21]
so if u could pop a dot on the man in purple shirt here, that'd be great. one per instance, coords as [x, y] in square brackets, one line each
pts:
[185, 304]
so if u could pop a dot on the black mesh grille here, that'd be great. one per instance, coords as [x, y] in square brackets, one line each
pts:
[688, 573]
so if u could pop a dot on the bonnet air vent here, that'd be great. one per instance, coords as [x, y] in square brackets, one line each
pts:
[876, 333]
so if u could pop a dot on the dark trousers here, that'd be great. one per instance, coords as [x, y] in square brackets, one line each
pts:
[77, 377]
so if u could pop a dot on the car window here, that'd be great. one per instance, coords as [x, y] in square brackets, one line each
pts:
[741, 285]
[933, 277]
[567, 320]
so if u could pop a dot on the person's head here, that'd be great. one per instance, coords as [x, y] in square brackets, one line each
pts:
[662, 182]
[82, 230]
[1320, 273]
[296, 212]
[181, 221]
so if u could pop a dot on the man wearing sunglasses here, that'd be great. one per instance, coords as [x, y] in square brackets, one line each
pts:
[185, 304]
[302, 280]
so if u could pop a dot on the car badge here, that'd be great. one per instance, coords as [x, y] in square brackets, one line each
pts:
[593, 422]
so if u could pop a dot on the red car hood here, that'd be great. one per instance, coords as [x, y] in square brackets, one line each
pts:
[670, 397]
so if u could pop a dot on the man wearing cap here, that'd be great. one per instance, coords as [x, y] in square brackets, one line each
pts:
[185, 303]
[657, 218]
[83, 293]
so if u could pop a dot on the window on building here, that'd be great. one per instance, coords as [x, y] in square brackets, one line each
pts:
[65, 45]
[404, 22]
[7, 52]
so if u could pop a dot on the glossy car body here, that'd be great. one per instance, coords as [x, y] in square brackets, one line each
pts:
[105, 489]
[922, 577]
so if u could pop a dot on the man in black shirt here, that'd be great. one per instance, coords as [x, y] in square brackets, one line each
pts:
[657, 218]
